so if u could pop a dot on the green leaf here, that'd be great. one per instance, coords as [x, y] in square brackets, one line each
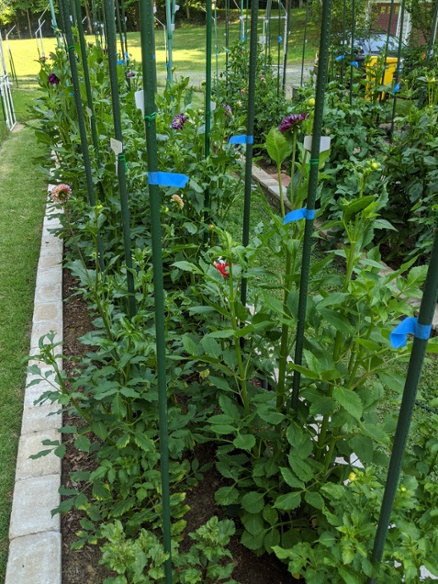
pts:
[314, 499]
[123, 507]
[271, 538]
[277, 146]
[348, 400]
[270, 515]
[336, 320]
[226, 495]
[288, 502]
[253, 502]
[354, 206]
[187, 267]
[189, 345]
[363, 447]
[83, 443]
[270, 416]
[60, 450]
[244, 441]
[101, 491]
[219, 382]
[253, 541]
[229, 407]
[211, 347]
[300, 467]
[290, 479]
[253, 522]
[223, 429]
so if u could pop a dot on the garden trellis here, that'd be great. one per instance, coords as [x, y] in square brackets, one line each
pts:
[5, 92]
[311, 409]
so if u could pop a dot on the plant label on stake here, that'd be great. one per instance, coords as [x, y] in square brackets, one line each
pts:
[139, 100]
[117, 148]
[323, 145]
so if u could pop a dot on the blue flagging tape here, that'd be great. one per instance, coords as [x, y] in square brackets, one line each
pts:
[242, 38]
[340, 57]
[244, 139]
[396, 88]
[299, 214]
[409, 326]
[354, 64]
[280, 38]
[120, 62]
[168, 179]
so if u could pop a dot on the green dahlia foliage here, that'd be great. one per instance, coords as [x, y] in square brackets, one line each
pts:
[290, 476]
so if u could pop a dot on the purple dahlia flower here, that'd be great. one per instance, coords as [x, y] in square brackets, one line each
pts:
[292, 121]
[178, 121]
[53, 79]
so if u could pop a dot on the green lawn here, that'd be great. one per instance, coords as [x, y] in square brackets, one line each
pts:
[22, 198]
[188, 45]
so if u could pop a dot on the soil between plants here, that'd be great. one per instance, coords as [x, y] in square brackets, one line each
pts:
[82, 566]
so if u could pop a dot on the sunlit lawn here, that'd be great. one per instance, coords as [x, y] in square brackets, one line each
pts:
[189, 45]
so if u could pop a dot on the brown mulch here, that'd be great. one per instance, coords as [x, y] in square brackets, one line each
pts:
[82, 566]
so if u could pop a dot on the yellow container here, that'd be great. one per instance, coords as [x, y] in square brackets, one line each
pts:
[374, 75]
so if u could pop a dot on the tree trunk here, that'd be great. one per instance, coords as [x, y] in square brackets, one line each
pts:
[29, 23]
[87, 12]
[17, 22]
[187, 10]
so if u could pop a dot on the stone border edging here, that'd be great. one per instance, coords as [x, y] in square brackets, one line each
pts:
[34, 535]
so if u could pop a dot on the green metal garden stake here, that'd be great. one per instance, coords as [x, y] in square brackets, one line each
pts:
[304, 43]
[121, 162]
[313, 184]
[425, 317]
[89, 94]
[63, 5]
[170, 27]
[249, 134]
[397, 70]
[286, 40]
[149, 73]
[353, 32]
[207, 108]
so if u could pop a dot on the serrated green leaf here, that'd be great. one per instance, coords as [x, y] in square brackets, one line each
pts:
[314, 499]
[83, 443]
[272, 538]
[300, 467]
[253, 541]
[288, 502]
[244, 441]
[211, 346]
[348, 400]
[101, 491]
[253, 502]
[226, 495]
[363, 447]
[290, 479]
[189, 345]
[270, 515]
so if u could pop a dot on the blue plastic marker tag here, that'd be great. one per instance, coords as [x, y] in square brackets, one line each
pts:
[168, 179]
[396, 88]
[120, 62]
[280, 38]
[409, 326]
[299, 214]
[354, 64]
[244, 139]
[340, 57]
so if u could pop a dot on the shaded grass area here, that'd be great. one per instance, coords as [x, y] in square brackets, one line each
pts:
[22, 199]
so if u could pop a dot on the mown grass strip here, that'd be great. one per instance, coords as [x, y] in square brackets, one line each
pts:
[22, 199]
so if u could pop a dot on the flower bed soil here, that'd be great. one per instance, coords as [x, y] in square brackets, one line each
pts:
[82, 566]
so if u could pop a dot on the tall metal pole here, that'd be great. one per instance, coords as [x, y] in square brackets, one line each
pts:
[419, 345]
[397, 70]
[149, 73]
[286, 40]
[170, 26]
[249, 134]
[121, 162]
[207, 106]
[313, 185]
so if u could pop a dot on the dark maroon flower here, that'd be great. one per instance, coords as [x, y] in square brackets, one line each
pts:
[292, 121]
[178, 121]
[43, 59]
[53, 79]
[130, 74]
